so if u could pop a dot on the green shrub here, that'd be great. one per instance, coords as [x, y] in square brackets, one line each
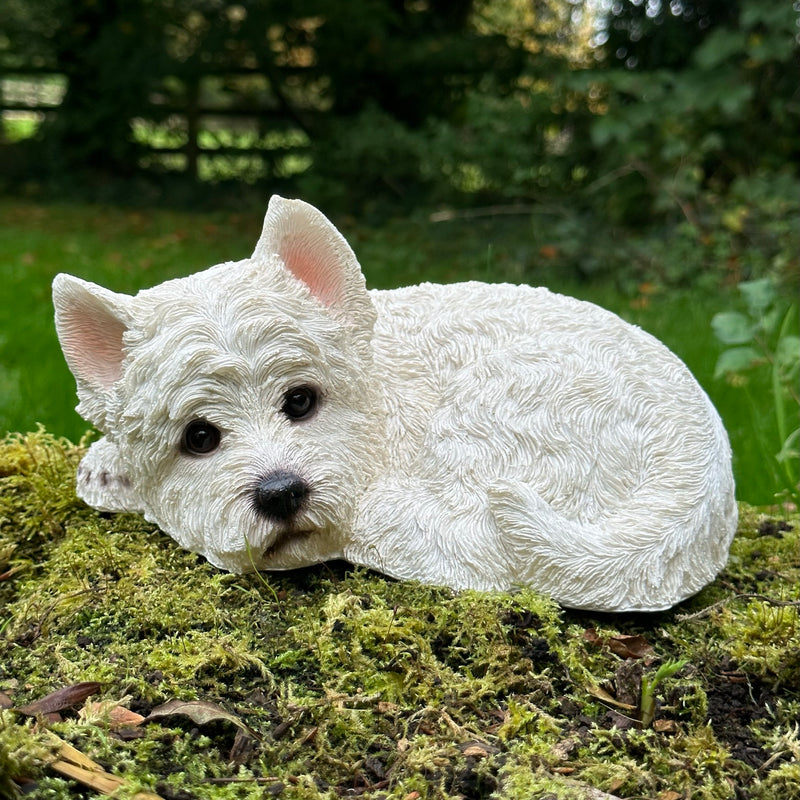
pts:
[764, 336]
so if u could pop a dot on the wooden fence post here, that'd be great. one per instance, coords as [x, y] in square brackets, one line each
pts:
[192, 126]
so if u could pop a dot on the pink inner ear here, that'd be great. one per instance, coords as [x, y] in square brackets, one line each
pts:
[312, 258]
[92, 342]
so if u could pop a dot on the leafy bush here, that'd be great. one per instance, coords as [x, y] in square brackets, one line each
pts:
[763, 336]
[362, 160]
[687, 127]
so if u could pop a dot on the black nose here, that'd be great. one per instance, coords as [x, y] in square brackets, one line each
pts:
[279, 495]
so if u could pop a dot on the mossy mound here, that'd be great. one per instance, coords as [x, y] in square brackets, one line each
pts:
[337, 682]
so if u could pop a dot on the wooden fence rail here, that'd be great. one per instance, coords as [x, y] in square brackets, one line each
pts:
[184, 130]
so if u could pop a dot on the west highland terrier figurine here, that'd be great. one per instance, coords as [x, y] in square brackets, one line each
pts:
[272, 413]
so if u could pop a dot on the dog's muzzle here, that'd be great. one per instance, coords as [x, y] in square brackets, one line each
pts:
[279, 495]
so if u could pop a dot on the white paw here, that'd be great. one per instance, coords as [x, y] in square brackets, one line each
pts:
[101, 481]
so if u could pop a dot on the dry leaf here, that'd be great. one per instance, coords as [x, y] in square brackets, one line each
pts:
[475, 751]
[665, 726]
[629, 646]
[591, 636]
[5, 701]
[200, 712]
[118, 716]
[121, 717]
[60, 699]
[602, 694]
[624, 646]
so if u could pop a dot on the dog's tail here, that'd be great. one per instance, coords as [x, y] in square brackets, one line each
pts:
[642, 558]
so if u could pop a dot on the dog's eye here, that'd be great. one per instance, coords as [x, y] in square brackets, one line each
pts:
[200, 437]
[299, 403]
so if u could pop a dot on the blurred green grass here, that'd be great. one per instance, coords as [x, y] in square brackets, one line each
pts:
[127, 250]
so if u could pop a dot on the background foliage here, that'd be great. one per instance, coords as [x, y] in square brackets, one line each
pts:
[632, 109]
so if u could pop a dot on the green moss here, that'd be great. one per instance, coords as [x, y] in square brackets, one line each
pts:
[354, 683]
[781, 782]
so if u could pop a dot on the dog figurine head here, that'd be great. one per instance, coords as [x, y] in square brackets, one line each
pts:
[237, 404]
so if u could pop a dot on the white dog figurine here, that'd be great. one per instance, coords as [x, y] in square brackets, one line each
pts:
[272, 413]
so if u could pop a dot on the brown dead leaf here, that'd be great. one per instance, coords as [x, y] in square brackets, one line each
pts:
[200, 712]
[665, 726]
[121, 717]
[629, 646]
[118, 716]
[60, 699]
[591, 636]
[602, 694]
[624, 646]
[669, 795]
[475, 751]
[5, 701]
[548, 251]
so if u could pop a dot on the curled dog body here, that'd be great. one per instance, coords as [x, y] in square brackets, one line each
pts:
[273, 413]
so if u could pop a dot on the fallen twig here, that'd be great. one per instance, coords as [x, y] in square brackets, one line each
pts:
[449, 215]
[71, 763]
[704, 612]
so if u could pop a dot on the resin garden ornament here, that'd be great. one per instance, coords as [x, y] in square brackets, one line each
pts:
[272, 413]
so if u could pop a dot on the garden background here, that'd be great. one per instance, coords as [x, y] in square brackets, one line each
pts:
[642, 154]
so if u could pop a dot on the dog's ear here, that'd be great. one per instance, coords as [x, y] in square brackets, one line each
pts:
[90, 323]
[314, 251]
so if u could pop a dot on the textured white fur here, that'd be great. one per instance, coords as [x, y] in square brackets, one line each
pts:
[470, 435]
